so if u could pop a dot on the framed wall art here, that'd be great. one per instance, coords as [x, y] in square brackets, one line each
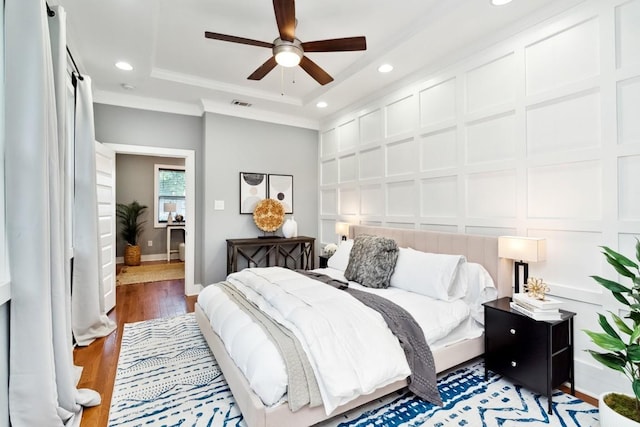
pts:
[253, 188]
[281, 189]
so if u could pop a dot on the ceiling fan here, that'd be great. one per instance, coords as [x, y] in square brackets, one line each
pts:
[288, 51]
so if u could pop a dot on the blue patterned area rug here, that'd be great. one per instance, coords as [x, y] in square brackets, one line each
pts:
[167, 376]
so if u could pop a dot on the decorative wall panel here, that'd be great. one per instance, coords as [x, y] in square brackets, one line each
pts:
[628, 107]
[567, 124]
[402, 158]
[569, 190]
[492, 139]
[628, 192]
[371, 200]
[439, 197]
[438, 104]
[372, 163]
[329, 171]
[348, 135]
[371, 127]
[439, 227]
[491, 231]
[348, 171]
[438, 150]
[628, 34]
[491, 194]
[492, 84]
[569, 252]
[402, 198]
[401, 116]
[328, 202]
[348, 201]
[329, 143]
[569, 56]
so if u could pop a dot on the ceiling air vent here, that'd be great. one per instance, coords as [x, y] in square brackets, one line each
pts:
[240, 103]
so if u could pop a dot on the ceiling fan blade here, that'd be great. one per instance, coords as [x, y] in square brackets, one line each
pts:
[285, 11]
[315, 71]
[264, 69]
[234, 39]
[336, 45]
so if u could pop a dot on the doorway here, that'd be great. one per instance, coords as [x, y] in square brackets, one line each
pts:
[190, 288]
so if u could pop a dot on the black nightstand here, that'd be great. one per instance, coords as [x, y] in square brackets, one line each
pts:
[534, 353]
[323, 261]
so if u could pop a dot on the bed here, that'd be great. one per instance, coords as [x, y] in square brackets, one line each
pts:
[482, 250]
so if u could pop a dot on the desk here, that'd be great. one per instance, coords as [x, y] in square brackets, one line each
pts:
[170, 228]
[294, 253]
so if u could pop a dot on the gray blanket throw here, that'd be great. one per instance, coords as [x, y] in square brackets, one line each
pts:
[422, 381]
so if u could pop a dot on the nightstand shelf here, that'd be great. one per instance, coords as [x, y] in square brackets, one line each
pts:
[534, 354]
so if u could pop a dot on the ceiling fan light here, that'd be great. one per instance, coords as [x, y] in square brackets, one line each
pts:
[287, 54]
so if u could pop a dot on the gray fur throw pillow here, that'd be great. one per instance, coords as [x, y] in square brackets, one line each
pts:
[372, 260]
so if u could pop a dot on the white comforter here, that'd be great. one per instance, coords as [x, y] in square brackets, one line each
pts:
[261, 363]
[349, 345]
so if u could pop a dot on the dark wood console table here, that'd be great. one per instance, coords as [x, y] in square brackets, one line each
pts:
[294, 253]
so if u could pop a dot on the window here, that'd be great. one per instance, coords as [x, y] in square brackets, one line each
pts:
[170, 188]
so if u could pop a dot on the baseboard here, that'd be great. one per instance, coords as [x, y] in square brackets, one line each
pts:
[150, 257]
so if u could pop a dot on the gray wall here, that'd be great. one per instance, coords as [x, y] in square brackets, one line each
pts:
[234, 145]
[121, 125]
[224, 146]
[134, 181]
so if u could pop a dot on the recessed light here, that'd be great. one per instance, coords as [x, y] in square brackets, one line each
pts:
[322, 104]
[500, 2]
[385, 68]
[124, 66]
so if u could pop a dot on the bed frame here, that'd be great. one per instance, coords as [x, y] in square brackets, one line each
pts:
[479, 249]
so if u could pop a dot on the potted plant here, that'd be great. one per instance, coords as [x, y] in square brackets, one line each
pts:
[132, 227]
[622, 343]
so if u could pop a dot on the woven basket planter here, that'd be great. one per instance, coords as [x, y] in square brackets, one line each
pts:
[132, 255]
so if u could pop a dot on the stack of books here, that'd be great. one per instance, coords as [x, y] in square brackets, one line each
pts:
[546, 309]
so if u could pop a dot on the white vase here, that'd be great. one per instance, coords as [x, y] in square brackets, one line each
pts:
[290, 228]
[610, 418]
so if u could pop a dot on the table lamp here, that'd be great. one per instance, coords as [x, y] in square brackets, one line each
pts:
[170, 207]
[342, 229]
[522, 250]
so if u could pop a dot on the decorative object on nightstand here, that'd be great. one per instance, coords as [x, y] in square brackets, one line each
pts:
[616, 409]
[342, 230]
[522, 250]
[534, 354]
[536, 288]
[170, 208]
[545, 309]
[324, 261]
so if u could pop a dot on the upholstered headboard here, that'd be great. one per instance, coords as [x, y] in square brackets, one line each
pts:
[480, 249]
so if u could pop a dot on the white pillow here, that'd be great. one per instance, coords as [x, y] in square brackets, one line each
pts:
[433, 275]
[340, 258]
[480, 289]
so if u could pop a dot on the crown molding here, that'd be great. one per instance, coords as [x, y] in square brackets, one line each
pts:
[209, 106]
[145, 103]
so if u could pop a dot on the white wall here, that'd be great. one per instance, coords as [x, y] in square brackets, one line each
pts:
[537, 136]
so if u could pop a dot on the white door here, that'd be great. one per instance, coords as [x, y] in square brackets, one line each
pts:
[106, 183]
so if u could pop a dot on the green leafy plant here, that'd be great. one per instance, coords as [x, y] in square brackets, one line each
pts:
[621, 343]
[129, 216]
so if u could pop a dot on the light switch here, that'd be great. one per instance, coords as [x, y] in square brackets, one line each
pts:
[218, 205]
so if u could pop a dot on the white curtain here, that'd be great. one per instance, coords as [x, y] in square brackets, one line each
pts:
[88, 312]
[42, 378]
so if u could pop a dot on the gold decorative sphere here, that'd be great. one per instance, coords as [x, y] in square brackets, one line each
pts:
[268, 215]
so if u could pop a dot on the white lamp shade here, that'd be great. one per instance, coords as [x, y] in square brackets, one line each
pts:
[528, 249]
[169, 207]
[342, 228]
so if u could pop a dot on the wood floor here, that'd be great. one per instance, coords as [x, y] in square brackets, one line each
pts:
[134, 303]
